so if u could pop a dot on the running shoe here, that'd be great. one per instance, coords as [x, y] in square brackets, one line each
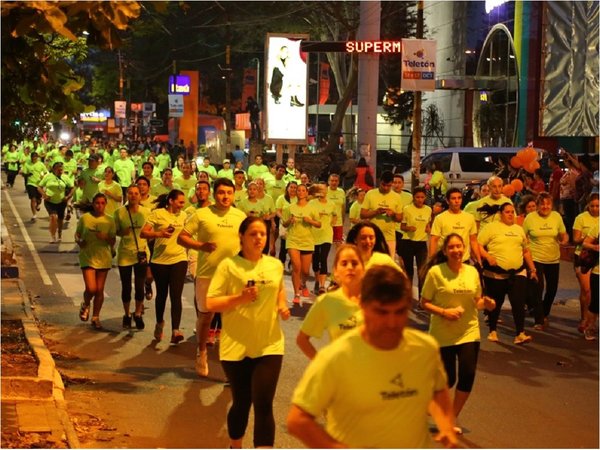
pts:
[590, 334]
[296, 301]
[139, 322]
[493, 337]
[305, 292]
[522, 338]
[176, 337]
[96, 323]
[211, 338]
[158, 331]
[201, 364]
[127, 321]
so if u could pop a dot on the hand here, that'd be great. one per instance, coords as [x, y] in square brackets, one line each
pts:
[412, 229]
[453, 313]
[389, 212]
[102, 235]
[488, 303]
[447, 439]
[166, 233]
[533, 276]
[208, 247]
[307, 220]
[492, 260]
[249, 294]
[284, 312]
[292, 220]
[381, 211]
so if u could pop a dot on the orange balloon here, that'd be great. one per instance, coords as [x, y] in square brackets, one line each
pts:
[529, 155]
[516, 162]
[517, 185]
[532, 166]
[508, 190]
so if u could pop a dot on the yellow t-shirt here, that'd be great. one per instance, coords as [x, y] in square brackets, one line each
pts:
[166, 250]
[462, 224]
[487, 200]
[375, 199]
[115, 189]
[584, 222]
[250, 330]
[447, 289]
[211, 224]
[299, 234]
[255, 209]
[381, 259]
[238, 196]
[127, 251]
[542, 233]
[149, 202]
[275, 188]
[405, 200]
[374, 398]
[185, 186]
[416, 217]
[354, 213]
[332, 312]
[327, 215]
[338, 197]
[594, 233]
[505, 242]
[96, 253]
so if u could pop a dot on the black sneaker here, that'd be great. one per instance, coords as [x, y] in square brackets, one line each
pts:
[139, 322]
[126, 322]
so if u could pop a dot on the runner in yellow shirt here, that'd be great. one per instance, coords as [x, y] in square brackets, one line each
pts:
[323, 236]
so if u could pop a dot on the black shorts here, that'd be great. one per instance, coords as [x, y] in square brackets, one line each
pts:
[32, 192]
[56, 208]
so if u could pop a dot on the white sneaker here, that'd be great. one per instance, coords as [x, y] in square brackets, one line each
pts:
[493, 337]
[522, 338]
[201, 365]
[589, 334]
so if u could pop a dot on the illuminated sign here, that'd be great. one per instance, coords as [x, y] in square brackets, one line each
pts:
[179, 84]
[95, 116]
[373, 46]
[491, 4]
[418, 65]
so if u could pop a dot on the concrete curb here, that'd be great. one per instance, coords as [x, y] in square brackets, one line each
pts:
[47, 368]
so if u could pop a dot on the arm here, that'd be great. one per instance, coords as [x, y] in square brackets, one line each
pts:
[590, 243]
[305, 427]
[442, 412]
[311, 221]
[475, 248]
[303, 342]
[433, 245]
[577, 236]
[563, 238]
[445, 313]
[282, 306]
[369, 213]
[186, 240]
[227, 302]
[148, 232]
[530, 265]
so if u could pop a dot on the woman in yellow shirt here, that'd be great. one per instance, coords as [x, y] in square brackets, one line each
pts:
[371, 244]
[95, 236]
[452, 295]
[248, 290]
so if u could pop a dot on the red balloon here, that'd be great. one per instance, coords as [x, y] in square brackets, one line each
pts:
[508, 190]
[517, 185]
[516, 162]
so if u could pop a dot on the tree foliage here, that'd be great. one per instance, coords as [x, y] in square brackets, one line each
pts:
[42, 46]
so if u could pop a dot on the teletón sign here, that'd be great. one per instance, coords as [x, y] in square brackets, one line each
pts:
[352, 46]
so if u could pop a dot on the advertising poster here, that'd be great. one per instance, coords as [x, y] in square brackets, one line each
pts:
[286, 93]
[175, 105]
[120, 109]
[418, 65]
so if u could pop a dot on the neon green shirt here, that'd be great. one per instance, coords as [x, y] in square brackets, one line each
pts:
[35, 171]
[212, 224]
[166, 250]
[488, 200]
[299, 234]
[354, 213]
[251, 330]
[255, 171]
[446, 289]
[375, 199]
[584, 222]
[338, 197]
[334, 313]
[115, 189]
[327, 213]
[416, 217]
[125, 170]
[381, 259]
[56, 188]
[542, 233]
[379, 404]
[96, 253]
[505, 242]
[163, 160]
[127, 250]
[224, 173]
[462, 224]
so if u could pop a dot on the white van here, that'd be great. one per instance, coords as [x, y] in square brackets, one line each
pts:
[463, 165]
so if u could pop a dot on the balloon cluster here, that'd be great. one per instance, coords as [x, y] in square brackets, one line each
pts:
[526, 159]
[515, 185]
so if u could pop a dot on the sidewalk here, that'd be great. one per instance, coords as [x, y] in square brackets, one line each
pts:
[34, 413]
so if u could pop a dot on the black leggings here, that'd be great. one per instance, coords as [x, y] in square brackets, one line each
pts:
[319, 260]
[282, 251]
[547, 274]
[253, 383]
[139, 272]
[11, 175]
[411, 251]
[169, 280]
[467, 363]
[516, 288]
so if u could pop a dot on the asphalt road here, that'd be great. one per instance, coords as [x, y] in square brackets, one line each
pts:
[126, 390]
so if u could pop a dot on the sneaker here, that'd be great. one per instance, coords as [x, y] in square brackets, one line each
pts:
[34, 218]
[589, 334]
[296, 301]
[127, 321]
[139, 322]
[176, 337]
[148, 289]
[217, 335]
[84, 312]
[96, 323]
[522, 338]
[322, 291]
[538, 327]
[201, 364]
[493, 337]
[316, 289]
[581, 327]
[158, 331]
[458, 430]
[305, 292]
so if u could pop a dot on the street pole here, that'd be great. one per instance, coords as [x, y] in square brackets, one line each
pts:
[228, 96]
[416, 119]
[176, 119]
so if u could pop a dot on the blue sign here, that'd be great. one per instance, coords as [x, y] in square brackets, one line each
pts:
[179, 84]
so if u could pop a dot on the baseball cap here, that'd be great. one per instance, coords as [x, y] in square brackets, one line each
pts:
[226, 161]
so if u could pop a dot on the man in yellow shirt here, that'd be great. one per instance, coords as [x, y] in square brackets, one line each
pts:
[488, 206]
[383, 404]
[337, 195]
[213, 232]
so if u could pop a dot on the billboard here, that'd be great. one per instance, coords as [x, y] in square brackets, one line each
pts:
[286, 89]
[179, 84]
[418, 65]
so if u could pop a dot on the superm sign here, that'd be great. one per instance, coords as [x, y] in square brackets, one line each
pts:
[418, 65]
[179, 84]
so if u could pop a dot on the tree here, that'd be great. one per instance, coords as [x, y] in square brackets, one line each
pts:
[42, 44]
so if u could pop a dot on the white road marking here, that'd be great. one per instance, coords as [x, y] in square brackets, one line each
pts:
[36, 258]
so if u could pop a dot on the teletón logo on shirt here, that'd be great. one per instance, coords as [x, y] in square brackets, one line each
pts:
[402, 393]
[224, 223]
[348, 324]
